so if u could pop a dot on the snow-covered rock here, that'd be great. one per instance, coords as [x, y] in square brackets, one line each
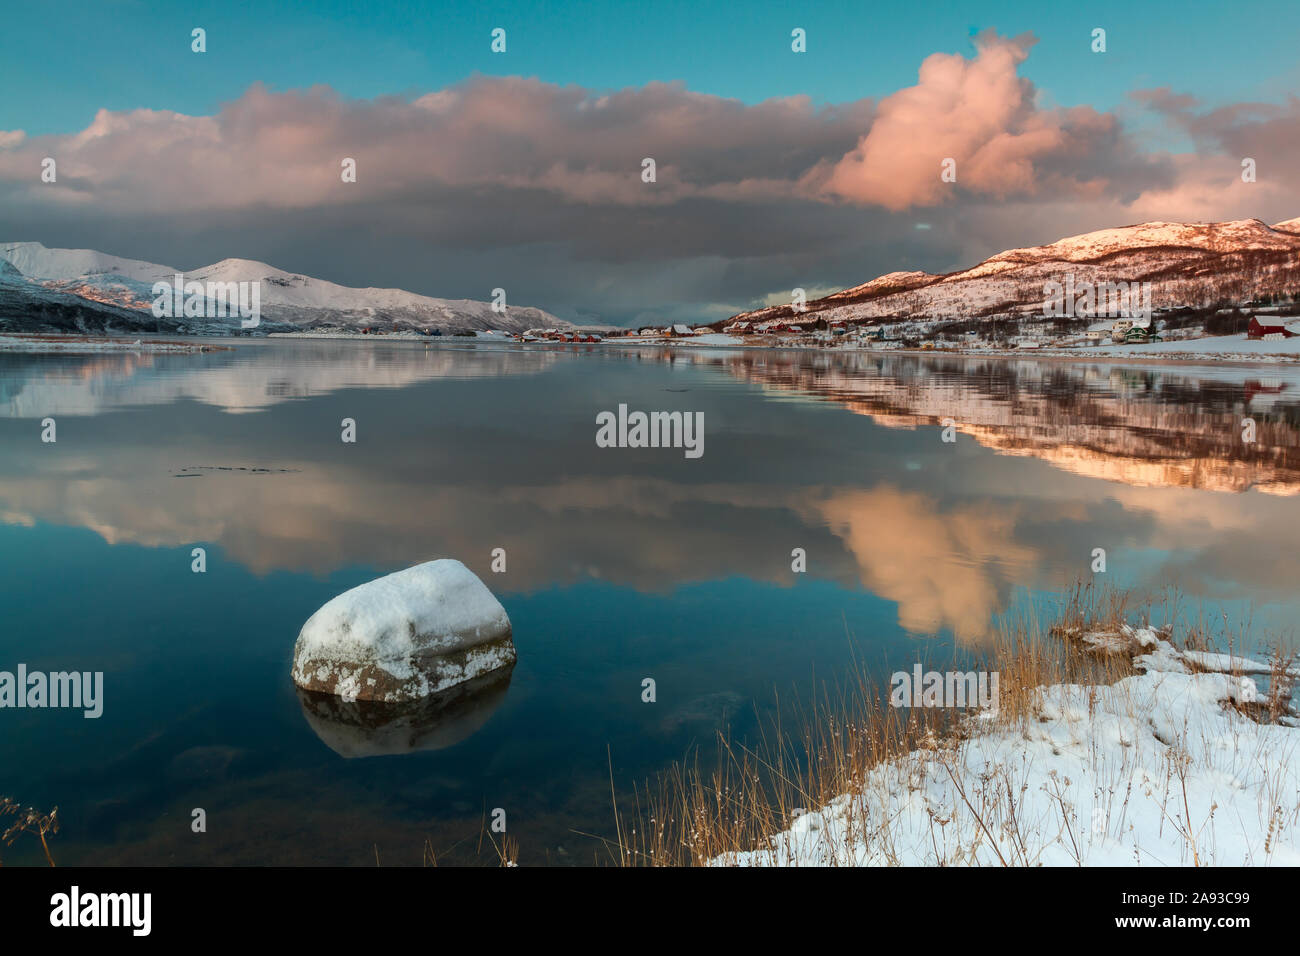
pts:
[404, 636]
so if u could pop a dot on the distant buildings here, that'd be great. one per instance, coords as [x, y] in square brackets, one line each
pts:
[1269, 328]
[1140, 335]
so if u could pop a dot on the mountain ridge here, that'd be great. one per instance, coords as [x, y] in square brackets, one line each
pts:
[1188, 264]
[88, 281]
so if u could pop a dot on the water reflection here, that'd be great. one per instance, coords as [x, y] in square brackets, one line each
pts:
[365, 728]
[464, 451]
[251, 378]
[1146, 427]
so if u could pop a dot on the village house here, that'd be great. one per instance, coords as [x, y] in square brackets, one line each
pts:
[1097, 332]
[1269, 328]
[1120, 329]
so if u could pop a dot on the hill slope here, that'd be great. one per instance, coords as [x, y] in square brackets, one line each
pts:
[1192, 264]
[84, 290]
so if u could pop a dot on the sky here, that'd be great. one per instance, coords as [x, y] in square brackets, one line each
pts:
[523, 169]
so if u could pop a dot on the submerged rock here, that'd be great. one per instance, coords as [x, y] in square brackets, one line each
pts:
[404, 636]
[707, 713]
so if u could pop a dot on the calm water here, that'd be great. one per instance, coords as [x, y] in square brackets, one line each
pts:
[621, 563]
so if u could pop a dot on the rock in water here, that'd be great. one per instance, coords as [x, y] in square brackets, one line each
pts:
[404, 636]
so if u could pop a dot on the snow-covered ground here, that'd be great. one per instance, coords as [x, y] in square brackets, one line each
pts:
[339, 334]
[1158, 769]
[491, 335]
[73, 343]
[713, 338]
[1230, 348]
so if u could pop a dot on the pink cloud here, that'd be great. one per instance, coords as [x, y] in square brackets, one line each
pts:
[571, 150]
[980, 113]
[284, 150]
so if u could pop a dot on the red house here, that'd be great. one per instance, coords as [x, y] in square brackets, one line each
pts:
[1257, 329]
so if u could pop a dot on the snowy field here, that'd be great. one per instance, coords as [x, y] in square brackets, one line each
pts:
[1159, 769]
[71, 343]
[1222, 348]
[715, 339]
[1228, 348]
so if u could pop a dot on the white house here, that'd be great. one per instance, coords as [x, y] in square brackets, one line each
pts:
[1098, 331]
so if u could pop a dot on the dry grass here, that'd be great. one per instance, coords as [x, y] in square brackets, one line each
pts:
[692, 815]
[29, 820]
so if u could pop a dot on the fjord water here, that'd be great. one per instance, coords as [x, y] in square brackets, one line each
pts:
[621, 564]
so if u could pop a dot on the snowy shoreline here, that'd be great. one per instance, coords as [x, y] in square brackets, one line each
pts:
[1174, 766]
[1211, 350]
[23, 342]
[1132, 354]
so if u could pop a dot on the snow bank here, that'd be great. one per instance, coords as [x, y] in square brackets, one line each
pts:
[404, 636]
[1159, 769]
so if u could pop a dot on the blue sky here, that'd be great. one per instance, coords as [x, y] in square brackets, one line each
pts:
[71, 58]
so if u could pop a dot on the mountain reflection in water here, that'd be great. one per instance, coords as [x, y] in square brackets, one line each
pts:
[621, 563]
[466, 449]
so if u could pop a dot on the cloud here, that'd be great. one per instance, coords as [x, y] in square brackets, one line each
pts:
[1207, 183]
[984, 116]
[585, 148]
[537, 187]
[284, 150]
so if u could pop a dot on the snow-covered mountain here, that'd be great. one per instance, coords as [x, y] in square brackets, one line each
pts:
[28, 305]
[84, 290]
[1188, 264]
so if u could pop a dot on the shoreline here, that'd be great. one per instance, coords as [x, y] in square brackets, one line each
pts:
[50, 342]
[1107, 743]
[74, 343]
[1208, 359]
